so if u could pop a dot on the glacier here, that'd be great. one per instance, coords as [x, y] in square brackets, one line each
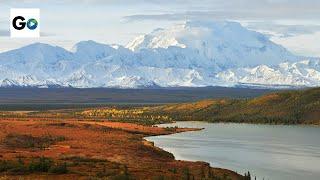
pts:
[193, 54]
[300, 74]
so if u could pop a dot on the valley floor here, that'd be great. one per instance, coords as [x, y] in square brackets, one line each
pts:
[70, 148]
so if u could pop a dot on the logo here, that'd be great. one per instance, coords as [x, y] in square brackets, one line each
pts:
[25, 23]
[32, 24]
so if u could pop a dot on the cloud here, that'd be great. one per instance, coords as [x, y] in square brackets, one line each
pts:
[190, 15]
[305, 45]
[178, 9]
[95, 2]
[306, 6]
[2, 21]
[283, 29]
[45, 34]
[235, 9]
[6, 33]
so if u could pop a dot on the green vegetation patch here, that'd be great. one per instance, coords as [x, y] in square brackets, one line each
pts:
[38, 164]
[29, 141]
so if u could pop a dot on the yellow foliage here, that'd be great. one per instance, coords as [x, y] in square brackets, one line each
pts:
[264, 99]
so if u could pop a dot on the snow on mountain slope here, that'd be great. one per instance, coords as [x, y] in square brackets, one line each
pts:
[175, 57]
[228, 44]
[303, 73]
[102, 74]
[91, 51]
[38, 59]
[194, 54]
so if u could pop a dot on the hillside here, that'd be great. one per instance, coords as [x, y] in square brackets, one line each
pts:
[286, 107]
[290, 107]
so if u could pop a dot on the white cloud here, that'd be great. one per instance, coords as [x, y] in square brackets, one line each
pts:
[305, 44]
[104, 18]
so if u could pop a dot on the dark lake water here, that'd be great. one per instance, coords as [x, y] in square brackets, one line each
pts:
[267, 151]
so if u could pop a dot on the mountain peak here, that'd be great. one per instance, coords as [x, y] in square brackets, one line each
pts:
[227, 43]
[92, 50]
[182, 35]
[82, 45]
[35, 53]
[40, 47]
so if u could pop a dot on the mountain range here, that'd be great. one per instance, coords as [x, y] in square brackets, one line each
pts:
[193, 54]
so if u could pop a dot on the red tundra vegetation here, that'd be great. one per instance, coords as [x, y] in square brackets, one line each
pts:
[32, 148]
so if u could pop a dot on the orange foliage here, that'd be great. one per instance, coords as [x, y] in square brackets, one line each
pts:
[265, 99]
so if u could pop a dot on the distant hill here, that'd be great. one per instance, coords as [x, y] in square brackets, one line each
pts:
[282, 107]
[61, 98]
[289, 107]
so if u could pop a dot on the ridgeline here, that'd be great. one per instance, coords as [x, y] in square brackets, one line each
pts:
[285, 107]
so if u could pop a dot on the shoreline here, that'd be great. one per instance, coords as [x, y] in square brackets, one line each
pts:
[244, 135]
[249, 123]
[186, 129]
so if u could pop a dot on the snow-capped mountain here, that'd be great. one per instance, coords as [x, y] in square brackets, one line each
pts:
[227, 44]
[195, 54]
[302, 73]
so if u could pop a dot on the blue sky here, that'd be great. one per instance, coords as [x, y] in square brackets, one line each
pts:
[293, 23]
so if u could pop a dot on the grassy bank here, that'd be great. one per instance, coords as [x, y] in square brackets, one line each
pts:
[285, 107]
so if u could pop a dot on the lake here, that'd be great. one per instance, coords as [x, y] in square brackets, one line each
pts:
[274, 152]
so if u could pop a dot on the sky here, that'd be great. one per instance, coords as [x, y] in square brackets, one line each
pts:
[295, 24]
